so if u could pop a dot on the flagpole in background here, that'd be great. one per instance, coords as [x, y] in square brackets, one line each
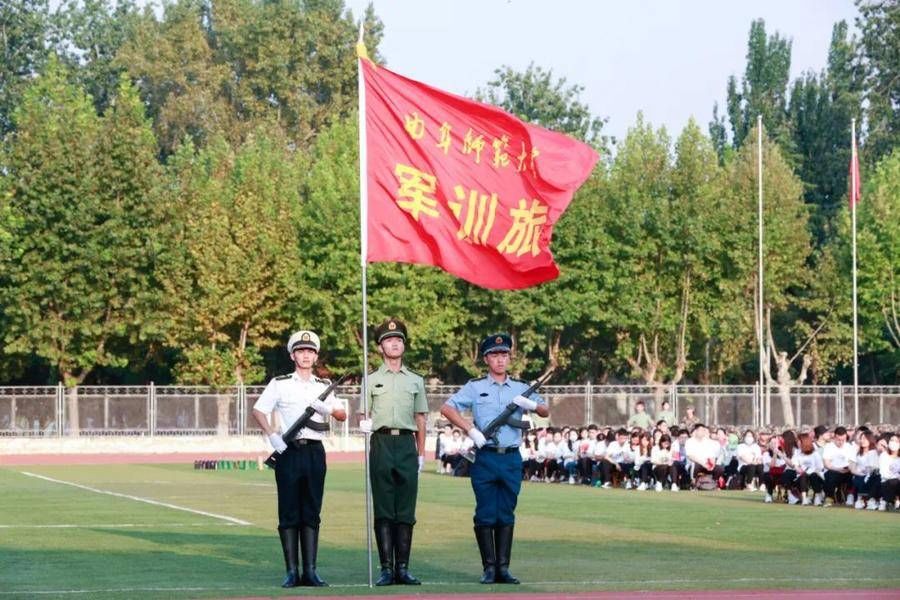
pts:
[759, 266]
[854, 199]
[363, 253]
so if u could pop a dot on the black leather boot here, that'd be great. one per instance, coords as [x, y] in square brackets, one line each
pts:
[309, 548]
[289, 543]
[485, 538]
[402, 548]
[384, 539]
[503, 537]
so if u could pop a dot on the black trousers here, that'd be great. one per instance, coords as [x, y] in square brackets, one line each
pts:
[552, 467]
[751, 472]
[869, 487]
[300, 478]
[607, 468]
[585, 468]
[664, 473]
[833, 480]
[807, 480]
[890, 489]
[716, 472]
[644, 472]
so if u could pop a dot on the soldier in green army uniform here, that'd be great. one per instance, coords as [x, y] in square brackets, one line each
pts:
[396, 397]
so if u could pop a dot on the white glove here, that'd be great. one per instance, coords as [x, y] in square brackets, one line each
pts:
[277, 443]
[365, 425]
[526, 403]
[321, 408]
[477, 437]
[421, 463]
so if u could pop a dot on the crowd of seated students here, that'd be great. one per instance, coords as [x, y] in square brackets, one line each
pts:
[819, 467]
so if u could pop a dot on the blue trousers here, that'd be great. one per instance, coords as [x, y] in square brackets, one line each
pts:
[496, 481]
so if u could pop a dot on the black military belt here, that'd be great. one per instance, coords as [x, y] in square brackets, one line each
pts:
[389, 431]
[499, 449]
[305, 442]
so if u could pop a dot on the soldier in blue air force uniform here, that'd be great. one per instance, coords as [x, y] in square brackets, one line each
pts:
[496, 473]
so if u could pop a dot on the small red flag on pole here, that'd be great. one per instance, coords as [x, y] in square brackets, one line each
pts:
[854, 175]
[463, 185]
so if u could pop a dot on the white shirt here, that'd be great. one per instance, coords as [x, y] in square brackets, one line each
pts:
[565, 454]
[808, 463]
[702, 451]
[889, 466]
[839, 457]
[617, 453]
[748, 454]
[546, 450]
[660, 456]
[864, 464]
[451, 446]
[288, 395]
[586, 448]
[639, 458]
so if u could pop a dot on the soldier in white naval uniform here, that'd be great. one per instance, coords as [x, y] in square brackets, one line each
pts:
[300, 469]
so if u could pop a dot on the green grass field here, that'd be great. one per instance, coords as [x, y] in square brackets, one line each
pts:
[568, 538]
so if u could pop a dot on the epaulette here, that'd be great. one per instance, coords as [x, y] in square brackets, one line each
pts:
[283, 377]
[474, 379]
[325, 381]
[519, 380]
[414, 373]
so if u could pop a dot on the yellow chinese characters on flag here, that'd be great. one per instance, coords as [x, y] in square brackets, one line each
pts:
[463, 185]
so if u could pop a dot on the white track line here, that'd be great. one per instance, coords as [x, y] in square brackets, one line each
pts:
[738, 593]
[109, 525]
[139, 499]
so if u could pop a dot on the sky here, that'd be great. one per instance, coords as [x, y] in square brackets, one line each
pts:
[669, 59]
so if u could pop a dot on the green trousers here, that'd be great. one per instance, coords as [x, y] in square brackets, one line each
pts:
[394, 472]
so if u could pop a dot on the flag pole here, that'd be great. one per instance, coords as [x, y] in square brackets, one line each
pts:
[363, 253]
[763, 389]
[854, 174]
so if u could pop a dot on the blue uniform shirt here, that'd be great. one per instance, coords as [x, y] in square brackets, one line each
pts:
[486, 399]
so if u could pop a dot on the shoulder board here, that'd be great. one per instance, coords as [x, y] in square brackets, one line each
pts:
[519, 381]
[283, 377]
[325, 381]
[372, 372]
[474, 379]
[414, 373]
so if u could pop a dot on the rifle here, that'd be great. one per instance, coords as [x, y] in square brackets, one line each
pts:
[304, 419]
[506, 417]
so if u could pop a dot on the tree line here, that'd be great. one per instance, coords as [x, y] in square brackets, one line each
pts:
[179, 191]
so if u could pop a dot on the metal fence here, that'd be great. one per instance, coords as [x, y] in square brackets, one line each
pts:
[37, 411]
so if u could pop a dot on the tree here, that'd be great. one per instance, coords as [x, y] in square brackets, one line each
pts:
[878, 260]
[225, 68]
[879, 23]
[785, 254]
[231, 267]
[535, 96]
[820, 112]
[24, 29]
[178, 76]
[92, 31]
[763, 89]
[79, 265]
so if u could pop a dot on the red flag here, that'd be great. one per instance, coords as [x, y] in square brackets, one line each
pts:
[463, 185]
[854, 176]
